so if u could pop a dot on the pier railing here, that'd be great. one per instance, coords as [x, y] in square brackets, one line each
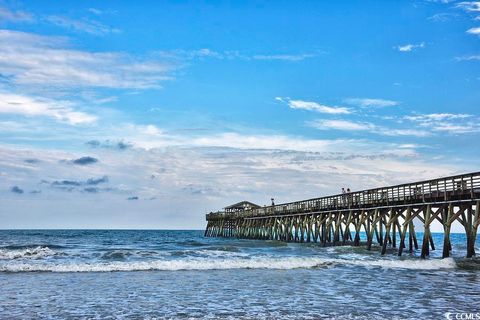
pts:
[465, 186]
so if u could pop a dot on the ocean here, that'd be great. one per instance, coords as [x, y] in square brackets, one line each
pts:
[158, 274]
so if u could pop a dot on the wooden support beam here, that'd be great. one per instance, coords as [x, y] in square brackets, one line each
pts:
[316, 228]
[336, 234]
[359, 222]
[474, 221]
[447, 214]
[394, 235]
[426, 233]
[391, 221]
[376, 218]
[347, 234]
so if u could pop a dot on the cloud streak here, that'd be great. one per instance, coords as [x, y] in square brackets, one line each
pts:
[368, 102]
[39, 107]
[204, 53]
[284, 57]
[469, 6]
[447, 122]
[341, 125]
[84, 25]
[468, 58]
[410, 47]
[15, 16]
[344, 125]
[313, 106]
[44, 61]
[474, 31]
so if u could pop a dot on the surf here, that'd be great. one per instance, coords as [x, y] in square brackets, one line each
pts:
[278, 263]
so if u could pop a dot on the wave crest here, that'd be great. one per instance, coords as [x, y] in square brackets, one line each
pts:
[284, 263]
[28, 253]
[116, 255]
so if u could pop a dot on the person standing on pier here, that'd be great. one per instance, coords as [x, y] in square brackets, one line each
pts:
[343, 196]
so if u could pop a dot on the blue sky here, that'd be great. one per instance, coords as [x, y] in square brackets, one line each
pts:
[141, 115]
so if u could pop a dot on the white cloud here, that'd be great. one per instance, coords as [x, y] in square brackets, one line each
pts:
[233, 54]
[404, 132]
[475, 31]
[15, 16]
[366, 102]
[29, 106]
[410, 47]
[447, 122]
[205, 52]
[468, 58]
[150, 130]
[95, 11]
[84, 25]
[150, 137]
[265, 142]
[470, 6]
[344, 125]
[341, 125]
[285, 57]
[313, 106]
[32, 60]
[105, 100]
[442, 17]
[437, 116]
[441, 1]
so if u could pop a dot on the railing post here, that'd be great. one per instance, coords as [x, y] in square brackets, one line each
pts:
[445, 188]
[471, 187]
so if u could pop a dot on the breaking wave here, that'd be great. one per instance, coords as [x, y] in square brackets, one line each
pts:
[116, 255]
[27, 253]
[30, 246]
[284, 263]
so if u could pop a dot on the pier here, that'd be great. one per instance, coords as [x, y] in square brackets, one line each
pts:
[388, 216]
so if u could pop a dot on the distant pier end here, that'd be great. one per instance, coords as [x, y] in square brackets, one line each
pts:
[387, 215]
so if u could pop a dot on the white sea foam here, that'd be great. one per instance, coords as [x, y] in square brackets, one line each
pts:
[28, 253]
[221, 253]
[416, 263]
[283, 263]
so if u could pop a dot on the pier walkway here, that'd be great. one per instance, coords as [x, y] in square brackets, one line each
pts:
[387, 215]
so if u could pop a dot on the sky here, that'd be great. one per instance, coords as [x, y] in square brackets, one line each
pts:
[121, 114]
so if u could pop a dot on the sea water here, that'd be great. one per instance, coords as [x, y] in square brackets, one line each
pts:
[133, 274]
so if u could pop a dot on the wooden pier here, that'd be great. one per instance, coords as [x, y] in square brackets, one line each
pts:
[388, 216]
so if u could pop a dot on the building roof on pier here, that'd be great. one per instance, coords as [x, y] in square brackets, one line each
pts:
[242, 205]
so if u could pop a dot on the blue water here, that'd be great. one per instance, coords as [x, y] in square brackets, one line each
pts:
[93, 274]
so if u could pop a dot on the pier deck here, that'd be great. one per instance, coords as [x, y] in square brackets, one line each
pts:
[382, 213]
